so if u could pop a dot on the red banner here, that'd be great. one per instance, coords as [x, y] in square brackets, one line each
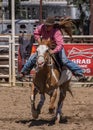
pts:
[81, 54]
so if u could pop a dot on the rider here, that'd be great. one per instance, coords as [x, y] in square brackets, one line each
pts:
[47, 30]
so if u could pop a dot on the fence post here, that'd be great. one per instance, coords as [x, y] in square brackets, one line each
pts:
[10, 62]
[13, 39]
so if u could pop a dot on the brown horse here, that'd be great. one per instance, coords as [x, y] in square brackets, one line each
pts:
[47, 80]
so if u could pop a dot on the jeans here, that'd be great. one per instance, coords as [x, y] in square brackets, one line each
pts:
[29, 64]
[74, 68]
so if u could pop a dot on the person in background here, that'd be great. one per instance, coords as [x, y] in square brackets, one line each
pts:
[25, 47]
[46, 31]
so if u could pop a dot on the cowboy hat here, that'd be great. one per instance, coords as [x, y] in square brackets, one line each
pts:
[49, 21]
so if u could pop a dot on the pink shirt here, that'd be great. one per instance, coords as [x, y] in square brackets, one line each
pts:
[54, 34]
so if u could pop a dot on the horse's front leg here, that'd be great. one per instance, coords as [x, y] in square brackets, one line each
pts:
[36, 112]
[53, 97]
[60, 104]
[32, 97]
[40, 104]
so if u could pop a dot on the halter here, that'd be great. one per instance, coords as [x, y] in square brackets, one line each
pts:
[50, 61]
[53, 57]
[47, 59]
[41, 55]
[40, 64]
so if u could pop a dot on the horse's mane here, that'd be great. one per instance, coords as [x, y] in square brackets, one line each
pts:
[65, 25]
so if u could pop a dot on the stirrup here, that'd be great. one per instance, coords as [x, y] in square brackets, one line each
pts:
[82, 79]
[19, 77]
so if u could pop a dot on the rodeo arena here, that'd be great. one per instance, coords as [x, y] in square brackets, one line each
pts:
[64, 103]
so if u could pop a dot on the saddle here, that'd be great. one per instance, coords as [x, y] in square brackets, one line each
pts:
[65, 73]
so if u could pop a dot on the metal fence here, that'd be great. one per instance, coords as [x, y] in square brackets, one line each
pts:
[5, 60]
[9, 59]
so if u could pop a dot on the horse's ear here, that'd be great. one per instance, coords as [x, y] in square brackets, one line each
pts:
[49, 39]
[46, 42]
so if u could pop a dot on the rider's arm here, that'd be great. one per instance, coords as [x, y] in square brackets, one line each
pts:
[37, 33]
[58, 38]
[39, 41]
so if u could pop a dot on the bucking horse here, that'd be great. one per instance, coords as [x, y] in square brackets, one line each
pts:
[48, 79]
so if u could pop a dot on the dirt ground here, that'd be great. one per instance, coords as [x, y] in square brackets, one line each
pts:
[15, 113]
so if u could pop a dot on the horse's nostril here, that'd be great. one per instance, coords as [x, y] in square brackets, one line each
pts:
[41, 63]
[40, 60]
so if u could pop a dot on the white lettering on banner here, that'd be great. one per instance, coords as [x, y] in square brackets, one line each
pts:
[88, 53]
[83, 66]
[82, 61]
[88, 70]
[82, 55]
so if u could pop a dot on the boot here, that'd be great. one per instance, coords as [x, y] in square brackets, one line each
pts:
[81, 78]
[20, 77]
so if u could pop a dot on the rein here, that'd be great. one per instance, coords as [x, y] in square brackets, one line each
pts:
[53, 57]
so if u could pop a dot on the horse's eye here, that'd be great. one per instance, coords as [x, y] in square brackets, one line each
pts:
[47, 50]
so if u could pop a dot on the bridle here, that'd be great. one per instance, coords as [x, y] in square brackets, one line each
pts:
[45, 60]
[40, 64]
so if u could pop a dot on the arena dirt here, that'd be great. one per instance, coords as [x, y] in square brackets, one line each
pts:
[15, 113]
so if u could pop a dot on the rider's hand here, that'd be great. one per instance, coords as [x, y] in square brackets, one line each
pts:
[51, 52]
[39, 41]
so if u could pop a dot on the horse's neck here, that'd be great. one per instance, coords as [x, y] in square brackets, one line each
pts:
[53, 70]
[42, 71]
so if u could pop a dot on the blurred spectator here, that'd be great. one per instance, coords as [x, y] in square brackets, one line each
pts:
[25, 48]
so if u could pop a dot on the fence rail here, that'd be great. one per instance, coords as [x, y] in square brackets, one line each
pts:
[12, 62]
[5, 59]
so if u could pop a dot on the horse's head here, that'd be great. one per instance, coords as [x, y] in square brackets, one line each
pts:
[42, 52]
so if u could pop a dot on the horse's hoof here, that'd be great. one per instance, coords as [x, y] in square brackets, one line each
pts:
[57, 119]
[60, 119]
[35, 114]
[56, 122]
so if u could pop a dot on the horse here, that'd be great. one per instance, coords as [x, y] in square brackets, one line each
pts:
[47, 80]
